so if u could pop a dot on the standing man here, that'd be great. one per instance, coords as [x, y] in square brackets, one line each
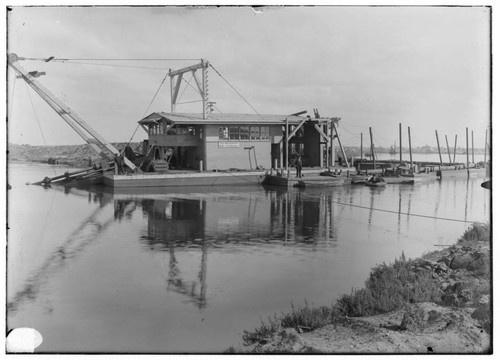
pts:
[298, 167]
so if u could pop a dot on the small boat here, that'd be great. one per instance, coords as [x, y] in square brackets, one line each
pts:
[375, 181]
[399, 180]
[358, 179]
[375, 184]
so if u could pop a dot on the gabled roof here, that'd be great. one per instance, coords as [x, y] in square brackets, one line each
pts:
[197, 119]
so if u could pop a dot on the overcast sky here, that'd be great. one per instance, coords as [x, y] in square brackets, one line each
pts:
[424, 67]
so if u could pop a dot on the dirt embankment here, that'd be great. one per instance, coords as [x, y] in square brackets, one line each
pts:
[72, 155]
[458, 322]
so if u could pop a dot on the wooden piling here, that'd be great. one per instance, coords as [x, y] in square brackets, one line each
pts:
[439, 149]
[372, 151]
[448, 147]
[286, 148]
[409, 144]
[400, 145]
[472, 145]
[467, 148]
[361, 147]
[455, 149]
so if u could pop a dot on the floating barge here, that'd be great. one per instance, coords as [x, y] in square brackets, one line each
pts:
[182, 179]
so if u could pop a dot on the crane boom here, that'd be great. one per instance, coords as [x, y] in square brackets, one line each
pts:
[108, 151]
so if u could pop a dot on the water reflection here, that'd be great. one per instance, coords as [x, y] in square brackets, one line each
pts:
[250, 221]
[76, 243]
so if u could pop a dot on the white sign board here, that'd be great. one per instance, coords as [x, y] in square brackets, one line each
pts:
[229, 144]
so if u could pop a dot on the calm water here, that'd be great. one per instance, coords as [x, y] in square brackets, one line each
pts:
[189, 270]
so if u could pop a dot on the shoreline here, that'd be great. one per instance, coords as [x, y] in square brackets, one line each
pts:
[437, 303]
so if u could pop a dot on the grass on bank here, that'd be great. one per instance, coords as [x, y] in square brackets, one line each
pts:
[388, 287]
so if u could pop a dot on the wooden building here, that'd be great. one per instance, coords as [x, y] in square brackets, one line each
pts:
[236, 141]
[207, 141]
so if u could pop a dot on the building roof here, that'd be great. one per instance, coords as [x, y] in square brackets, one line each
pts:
[197, 119]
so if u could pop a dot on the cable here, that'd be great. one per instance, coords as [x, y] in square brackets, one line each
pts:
[114, 65]
[185, 87]
[217, 108]
[156, 93]
[407, 214]
[218, 73]
[188, 102]
[107, 59]
[38, 121]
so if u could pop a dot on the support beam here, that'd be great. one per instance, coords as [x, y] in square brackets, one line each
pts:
[338, 138]
[292, 134]
[188, 68]
[320, 131]
[176, 91]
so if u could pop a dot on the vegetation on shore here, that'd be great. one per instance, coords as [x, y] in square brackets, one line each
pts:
[396, 286]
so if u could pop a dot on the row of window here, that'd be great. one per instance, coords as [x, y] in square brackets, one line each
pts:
[244, 133]
[225, 132]
[159, 129]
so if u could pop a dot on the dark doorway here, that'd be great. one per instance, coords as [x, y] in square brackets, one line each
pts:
[275, 154]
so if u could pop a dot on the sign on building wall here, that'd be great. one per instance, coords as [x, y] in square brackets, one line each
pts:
[229, 144]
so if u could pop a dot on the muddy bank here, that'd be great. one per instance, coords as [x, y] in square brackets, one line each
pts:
[71, 155]
[439, 303]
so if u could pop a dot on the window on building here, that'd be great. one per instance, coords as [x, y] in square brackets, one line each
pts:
[254, 133]
[223, 133]
[244, 133]
[234, 133]
[264, 132]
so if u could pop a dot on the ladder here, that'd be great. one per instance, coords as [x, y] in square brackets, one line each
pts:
[96, 141]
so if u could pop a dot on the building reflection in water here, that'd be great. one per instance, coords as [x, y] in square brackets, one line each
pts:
[179, 223]
[232, 223]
